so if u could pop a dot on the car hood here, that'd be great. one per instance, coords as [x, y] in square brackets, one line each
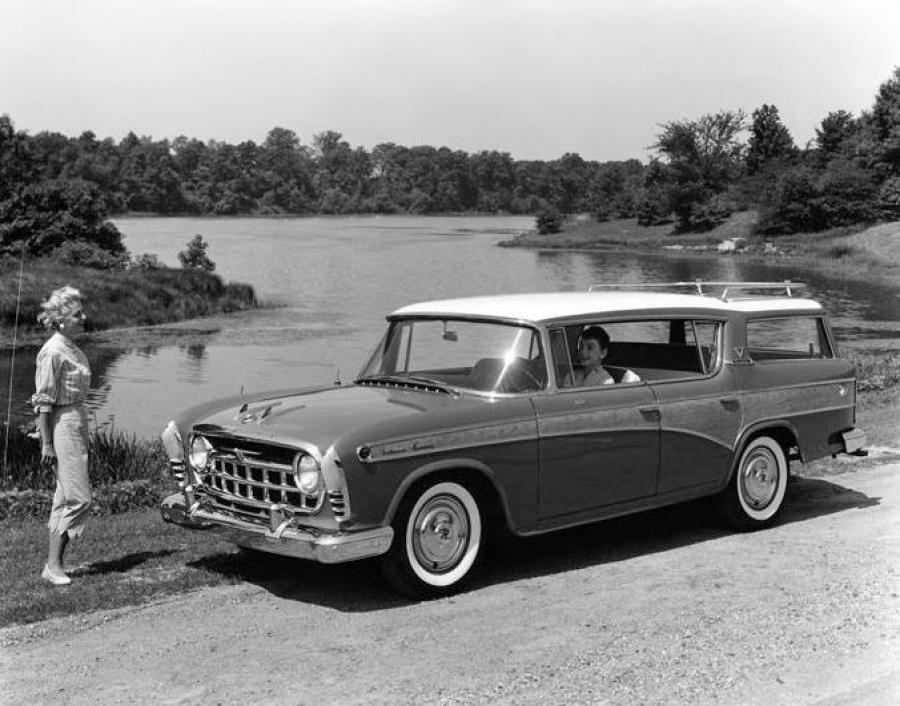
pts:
[322, 416]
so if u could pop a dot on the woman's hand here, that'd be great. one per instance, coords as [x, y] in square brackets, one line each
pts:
[48, 454]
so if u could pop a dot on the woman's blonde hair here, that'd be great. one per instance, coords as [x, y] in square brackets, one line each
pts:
[60, 304]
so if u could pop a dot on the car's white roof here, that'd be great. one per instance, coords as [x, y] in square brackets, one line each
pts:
[557, 305]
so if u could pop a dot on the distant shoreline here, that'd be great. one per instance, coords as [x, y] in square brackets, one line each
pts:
[870, 254]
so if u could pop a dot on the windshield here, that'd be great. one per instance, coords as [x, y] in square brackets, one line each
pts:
[465, 355]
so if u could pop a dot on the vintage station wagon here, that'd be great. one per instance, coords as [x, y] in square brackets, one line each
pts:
[473, 416]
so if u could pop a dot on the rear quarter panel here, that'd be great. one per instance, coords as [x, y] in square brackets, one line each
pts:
[814, 397]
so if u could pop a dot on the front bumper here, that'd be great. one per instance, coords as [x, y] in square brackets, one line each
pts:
[282, 537]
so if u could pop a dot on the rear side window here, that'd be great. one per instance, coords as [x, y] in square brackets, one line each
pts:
[788, 338]
[656, 349]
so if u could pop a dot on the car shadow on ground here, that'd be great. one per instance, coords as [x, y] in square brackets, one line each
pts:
[359, 587]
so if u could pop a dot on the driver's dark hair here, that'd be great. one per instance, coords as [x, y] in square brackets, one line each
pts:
[597, 333]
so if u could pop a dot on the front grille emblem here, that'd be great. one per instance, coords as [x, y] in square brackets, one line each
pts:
[243, 455]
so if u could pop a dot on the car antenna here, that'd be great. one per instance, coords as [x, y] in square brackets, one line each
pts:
[337, 378]
[12, 361]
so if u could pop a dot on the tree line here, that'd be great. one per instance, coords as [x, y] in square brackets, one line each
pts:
[329, 176]
[55, 189]
[849, 173]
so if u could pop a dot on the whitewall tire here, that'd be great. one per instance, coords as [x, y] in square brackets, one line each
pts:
[755, 495]
[437, 540]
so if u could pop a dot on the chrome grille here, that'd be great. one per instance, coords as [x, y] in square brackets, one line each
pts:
[248, 478]
[338, 506]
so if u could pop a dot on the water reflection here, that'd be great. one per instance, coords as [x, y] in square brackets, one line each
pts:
[23, 364]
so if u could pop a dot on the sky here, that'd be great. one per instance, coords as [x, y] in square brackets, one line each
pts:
[535, 79]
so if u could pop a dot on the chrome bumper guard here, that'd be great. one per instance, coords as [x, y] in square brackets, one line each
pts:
[854, 441]
[281, 537]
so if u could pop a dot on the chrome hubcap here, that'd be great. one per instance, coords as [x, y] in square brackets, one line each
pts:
[759, 478]
[440, 533]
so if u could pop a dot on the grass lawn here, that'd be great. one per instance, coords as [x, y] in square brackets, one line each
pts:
[120, 560]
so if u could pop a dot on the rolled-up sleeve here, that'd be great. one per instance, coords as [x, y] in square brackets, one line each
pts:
[46, 384]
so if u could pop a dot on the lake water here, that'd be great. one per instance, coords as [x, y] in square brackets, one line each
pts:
[335, 279]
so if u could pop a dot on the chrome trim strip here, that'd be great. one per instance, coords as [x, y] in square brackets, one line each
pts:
[597, 430]
[701, 435]
[796, 385]
[451, 440]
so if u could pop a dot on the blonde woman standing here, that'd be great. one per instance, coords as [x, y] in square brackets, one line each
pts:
[62, 380]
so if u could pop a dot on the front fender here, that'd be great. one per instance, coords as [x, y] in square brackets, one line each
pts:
[460, 466]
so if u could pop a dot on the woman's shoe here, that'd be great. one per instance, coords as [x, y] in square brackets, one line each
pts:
[55, 579]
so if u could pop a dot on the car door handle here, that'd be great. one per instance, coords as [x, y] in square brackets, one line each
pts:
[649, 412]
[730, 401]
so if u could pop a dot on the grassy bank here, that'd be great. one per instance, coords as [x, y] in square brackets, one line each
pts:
[860, 253]
[126, 473]
[114, 298]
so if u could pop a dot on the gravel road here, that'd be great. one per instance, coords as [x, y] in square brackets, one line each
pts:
[660, 608]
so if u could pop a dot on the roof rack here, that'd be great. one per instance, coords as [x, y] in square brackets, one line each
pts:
[786, 287]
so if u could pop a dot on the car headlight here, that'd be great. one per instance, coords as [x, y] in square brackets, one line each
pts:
[307, 474]
[199, 456]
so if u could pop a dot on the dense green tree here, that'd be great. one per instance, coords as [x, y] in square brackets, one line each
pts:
[885, 125]
[701, 173]
[15, 163]
[194, 257]
[42, 216]
[704, 157]
[770, 140]
[835, 131]
[494, 176]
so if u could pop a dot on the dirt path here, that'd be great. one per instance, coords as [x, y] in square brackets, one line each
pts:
[661, 608]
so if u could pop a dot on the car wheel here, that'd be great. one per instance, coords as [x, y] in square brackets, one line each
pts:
[437, 539]
[755, 494]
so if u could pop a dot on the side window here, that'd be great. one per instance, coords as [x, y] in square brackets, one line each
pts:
[705, 335]
[788, 338]
[562, 361]
[655, 349]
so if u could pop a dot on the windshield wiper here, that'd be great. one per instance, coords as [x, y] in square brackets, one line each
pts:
[410, 380]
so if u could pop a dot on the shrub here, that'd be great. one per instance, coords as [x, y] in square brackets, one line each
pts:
[84, 254]
[705, 216]
[146, 261]
[195, 257]
[115, 457]
[836, 252]
[45, 215]
[110, 499]
[889, 199]
[795, 205]
[549, 221]
[652, 206]
[875, 371]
